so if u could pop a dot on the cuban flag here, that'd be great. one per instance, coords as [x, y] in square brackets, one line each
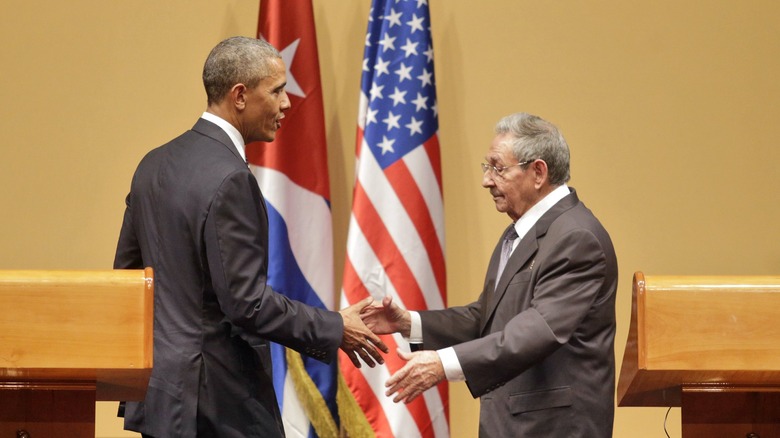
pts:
[395, 244]
[292, 172]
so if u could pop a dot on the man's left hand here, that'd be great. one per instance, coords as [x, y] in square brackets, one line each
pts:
[422, 371]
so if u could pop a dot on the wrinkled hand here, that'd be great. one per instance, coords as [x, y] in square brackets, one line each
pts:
[385, 318]
[358, 340]
[422, 371]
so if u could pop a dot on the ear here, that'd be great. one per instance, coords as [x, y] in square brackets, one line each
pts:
[237, 96]
[539, 168]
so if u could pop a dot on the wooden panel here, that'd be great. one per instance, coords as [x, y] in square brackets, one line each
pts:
[700, 330]
[67, 412]
[77, 325]
[708, 413]
[712, 323]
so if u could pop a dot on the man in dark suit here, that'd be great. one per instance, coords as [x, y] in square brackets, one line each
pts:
[537, 347]
[195, 214]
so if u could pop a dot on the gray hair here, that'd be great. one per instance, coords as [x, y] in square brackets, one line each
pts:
[236, 60]
[535, 138]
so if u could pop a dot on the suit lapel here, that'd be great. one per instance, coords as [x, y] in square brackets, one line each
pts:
[490, 283]
[520, 257]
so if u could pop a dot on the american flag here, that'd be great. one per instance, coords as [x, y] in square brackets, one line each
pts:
[396, 233]
[292, 172]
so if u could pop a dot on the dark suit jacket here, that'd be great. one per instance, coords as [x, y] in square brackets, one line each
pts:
[539, 350]
[196, 215]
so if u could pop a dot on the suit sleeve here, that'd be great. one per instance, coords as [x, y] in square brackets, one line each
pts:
[128, 252]
[568, 282]
[236, 247]
[451, 326]
[455, 325]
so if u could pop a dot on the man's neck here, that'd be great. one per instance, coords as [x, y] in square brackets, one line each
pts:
[222, 113]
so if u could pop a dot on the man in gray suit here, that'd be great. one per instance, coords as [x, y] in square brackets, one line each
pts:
[537, 347]
[196, 215]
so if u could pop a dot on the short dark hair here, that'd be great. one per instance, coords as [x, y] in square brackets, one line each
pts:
[236, 60]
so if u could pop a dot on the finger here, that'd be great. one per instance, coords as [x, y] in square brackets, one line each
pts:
[401, 397]
[377, 341]
[393, 389]
[404, 355]
[398, 397]
[387, 300]
[370, 310]
[365, 302]
[353, 358]
[398, 377]
[404, 393]
[374, 353]
[408, 398]
[366, 357]
[372, 338]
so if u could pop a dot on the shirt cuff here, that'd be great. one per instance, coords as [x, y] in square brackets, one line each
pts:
[451, 364]
[415, 331]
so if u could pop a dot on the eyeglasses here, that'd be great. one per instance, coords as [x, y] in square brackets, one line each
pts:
[500, 170]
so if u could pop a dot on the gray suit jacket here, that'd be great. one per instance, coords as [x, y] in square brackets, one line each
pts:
[539, 350]
[196, 215]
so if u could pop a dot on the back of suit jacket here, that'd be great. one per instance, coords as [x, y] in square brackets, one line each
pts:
[539, 349]
[195, 214]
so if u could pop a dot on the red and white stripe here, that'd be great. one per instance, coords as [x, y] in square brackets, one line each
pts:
[395, 247]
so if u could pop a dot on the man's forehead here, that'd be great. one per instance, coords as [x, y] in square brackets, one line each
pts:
[277, 74]
[275, 66]
[500, 148]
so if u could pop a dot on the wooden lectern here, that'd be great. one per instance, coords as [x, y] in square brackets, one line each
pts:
[68, 339]
[710, 345]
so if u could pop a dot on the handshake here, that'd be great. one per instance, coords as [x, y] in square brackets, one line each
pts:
[365, 320]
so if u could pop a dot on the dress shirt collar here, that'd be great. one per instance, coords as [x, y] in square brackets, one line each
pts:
[533, 214]
[230, 130]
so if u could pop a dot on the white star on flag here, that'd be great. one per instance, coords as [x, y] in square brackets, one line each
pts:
[392, 121]
[409, 48]
[387, 42]
[403, 72]
[376, 91]
[415, 126]
[420, 102]
[394, 18]
[398, 96]
[386, 144]
[415, 23]
[288, 56]
[425, 77]
[371, 116]
[429, 53]
[381, 67]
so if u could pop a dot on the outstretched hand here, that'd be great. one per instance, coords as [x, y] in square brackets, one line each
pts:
[386, 317]
[422, 371]
[358, 339]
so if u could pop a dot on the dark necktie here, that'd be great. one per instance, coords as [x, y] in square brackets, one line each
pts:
[506, 249]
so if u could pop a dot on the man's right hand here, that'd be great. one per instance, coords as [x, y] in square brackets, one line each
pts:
[358, 340]
[386, 317]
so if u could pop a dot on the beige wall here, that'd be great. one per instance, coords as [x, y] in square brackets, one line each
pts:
[669, 108]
